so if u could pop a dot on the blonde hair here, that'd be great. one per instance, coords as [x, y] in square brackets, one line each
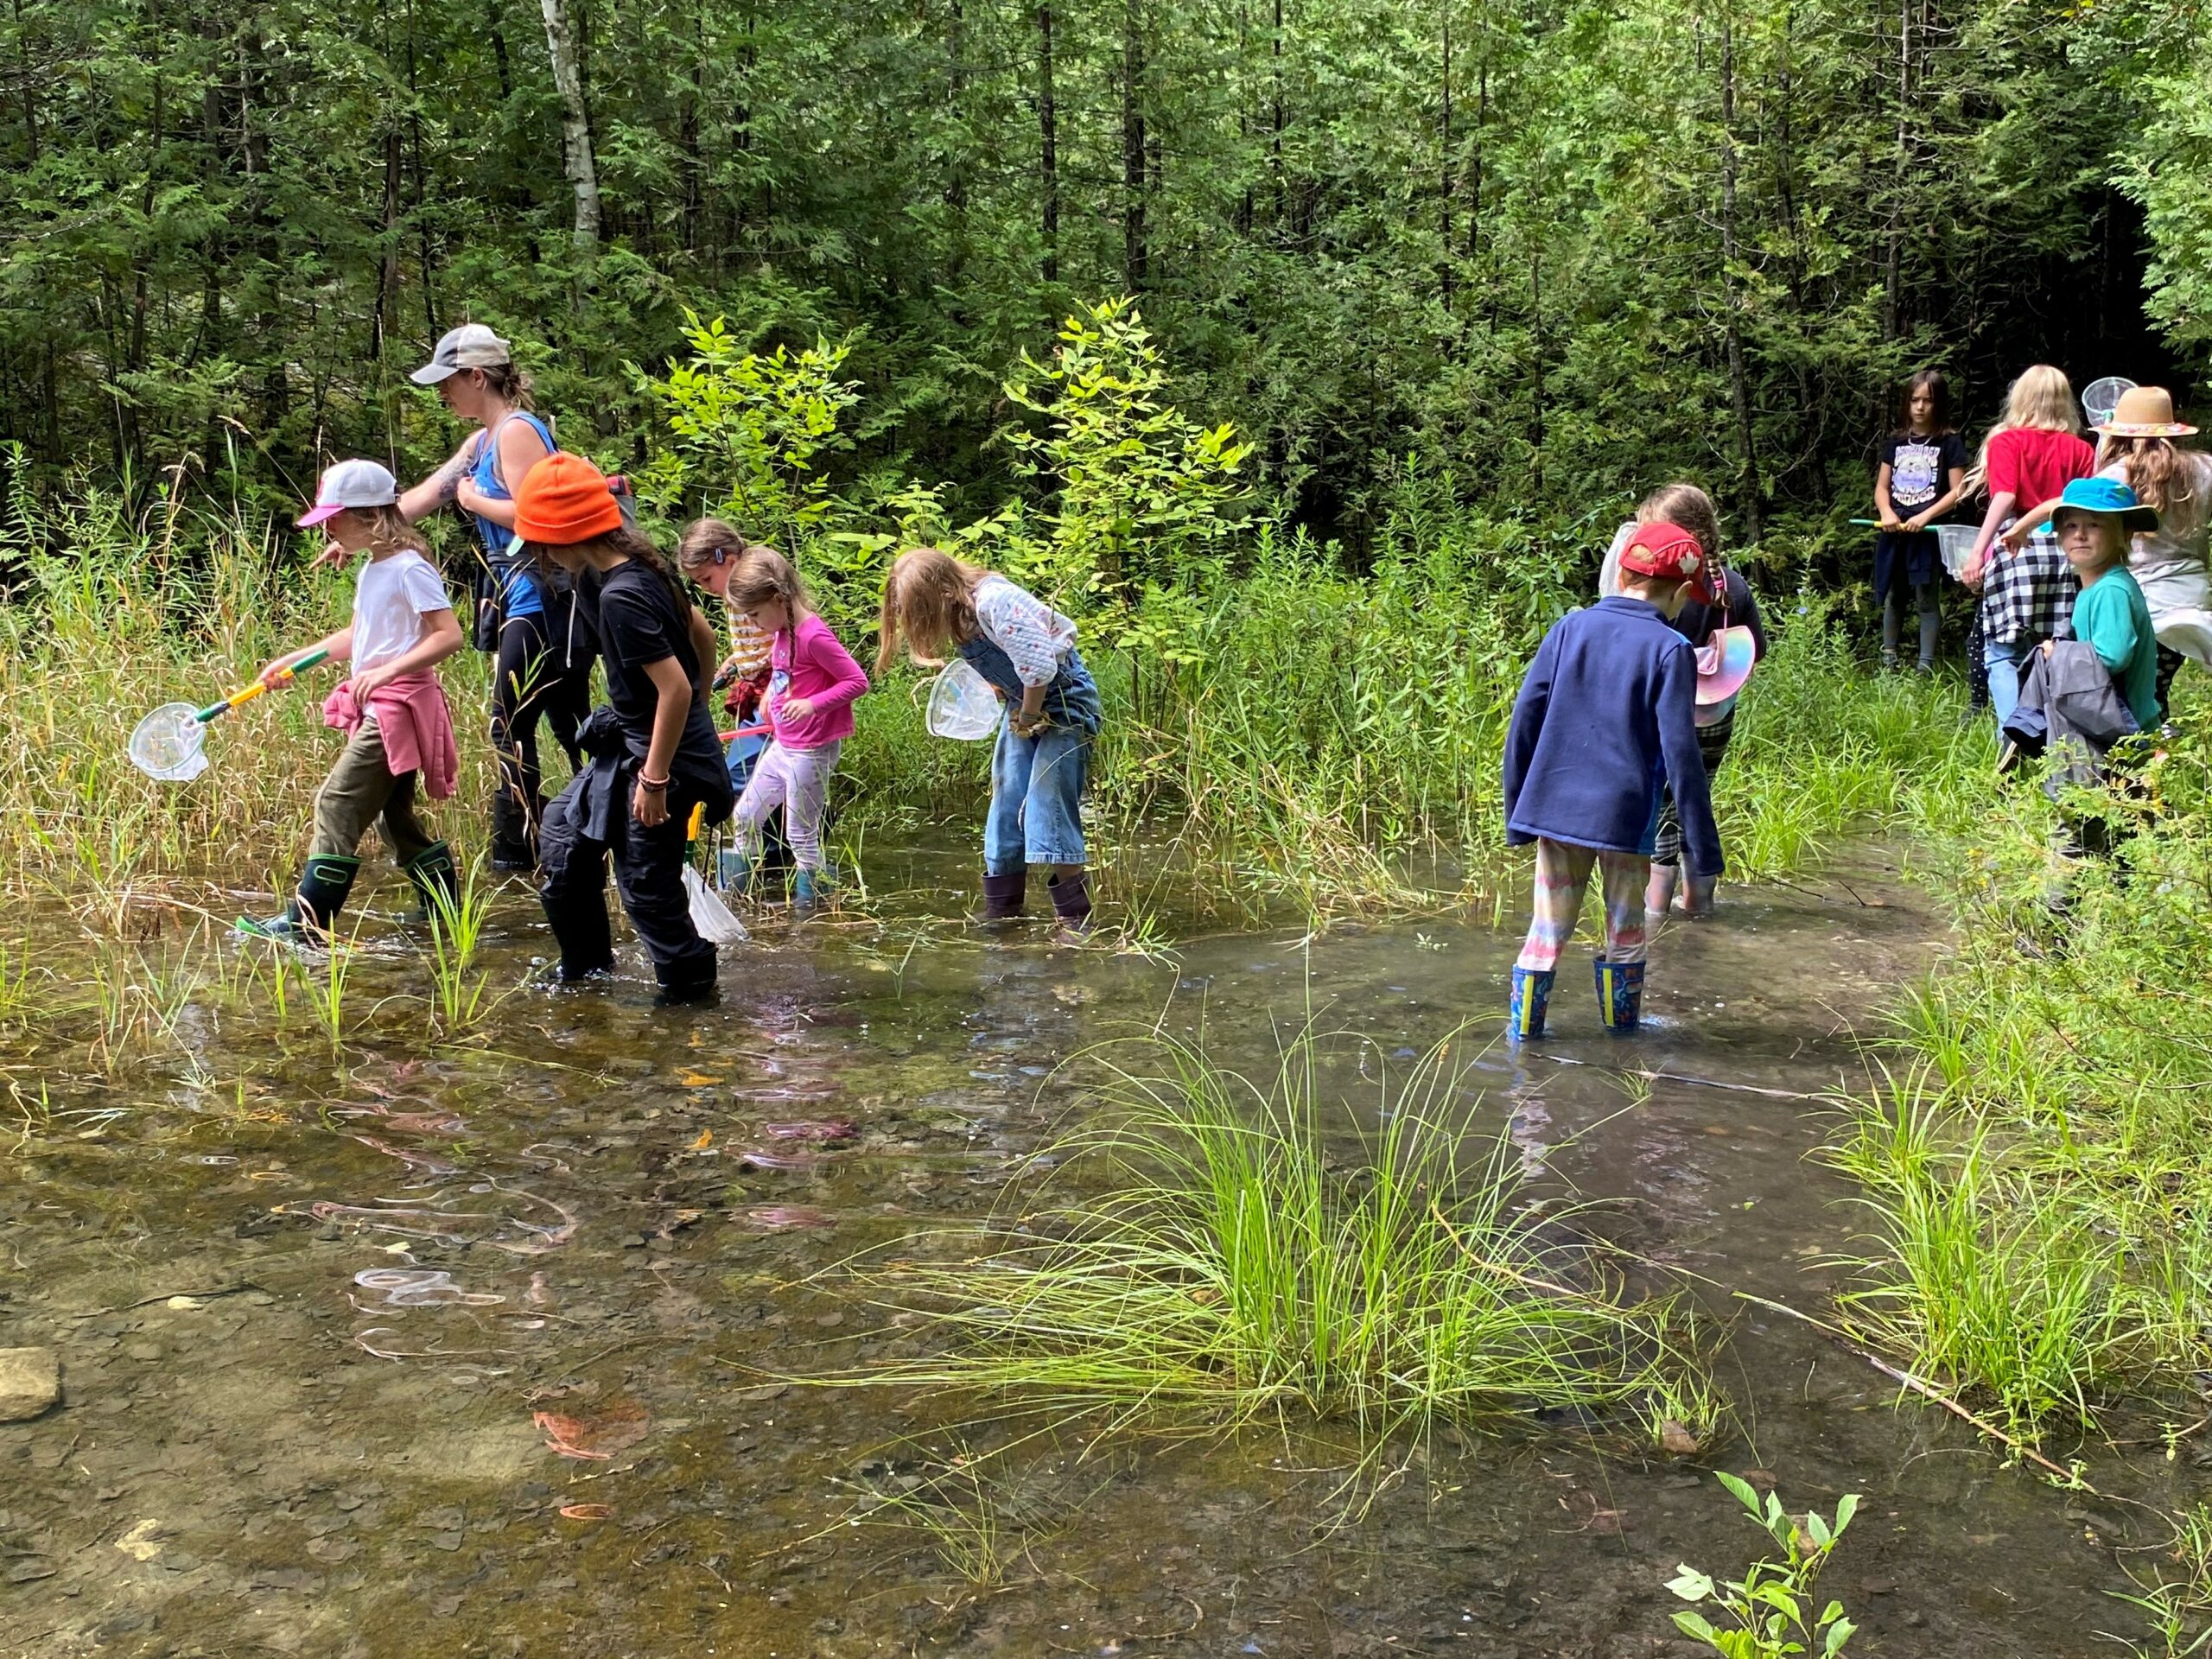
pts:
[704, 537]
[930, 598]
[763, 574]
[2041, 400]
[2164, 476]
[388, 528]
[1688, 506]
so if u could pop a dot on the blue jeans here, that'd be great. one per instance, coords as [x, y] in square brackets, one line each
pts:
[1036, 815]
[2004, 664]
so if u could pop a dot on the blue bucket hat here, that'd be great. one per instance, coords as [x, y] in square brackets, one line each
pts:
[2107, 495]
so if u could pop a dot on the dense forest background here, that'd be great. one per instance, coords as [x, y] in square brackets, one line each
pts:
[1524, 253]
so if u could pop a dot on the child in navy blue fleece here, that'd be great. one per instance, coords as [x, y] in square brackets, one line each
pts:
[1607, 714]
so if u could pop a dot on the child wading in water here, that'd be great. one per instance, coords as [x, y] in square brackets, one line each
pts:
[813, 682]
[1606, 712]
[1691, 508]
[393, 710]
[707, 554]
[653, 751]
[1922, 476]
[1027, 650]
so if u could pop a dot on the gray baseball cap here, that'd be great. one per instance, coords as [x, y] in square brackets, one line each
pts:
[471, 346]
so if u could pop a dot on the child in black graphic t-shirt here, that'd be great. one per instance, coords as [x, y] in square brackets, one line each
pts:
[1923, 468]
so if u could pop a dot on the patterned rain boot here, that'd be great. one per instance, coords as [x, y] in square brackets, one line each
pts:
[309, 918]
[1532, 993]
[1620, 995]
[810, 889]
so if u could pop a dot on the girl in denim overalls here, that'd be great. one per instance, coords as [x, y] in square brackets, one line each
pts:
[1027, 650]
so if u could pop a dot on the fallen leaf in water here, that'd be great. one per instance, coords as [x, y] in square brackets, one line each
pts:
[594, 1439]
[696, 1079]
[142, 1542]
[587, 1511]
[706, 1139]
[1676, 1440]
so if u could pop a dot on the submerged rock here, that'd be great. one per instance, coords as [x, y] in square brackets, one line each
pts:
[30, 1383]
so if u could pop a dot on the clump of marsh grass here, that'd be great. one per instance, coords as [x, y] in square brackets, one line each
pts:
[1246, 1249]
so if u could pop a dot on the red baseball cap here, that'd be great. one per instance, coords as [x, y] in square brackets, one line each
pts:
[1665, 549]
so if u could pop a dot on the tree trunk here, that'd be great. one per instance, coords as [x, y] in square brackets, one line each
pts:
[576, 123]
[1048, 141]
[1444, 177]
[1740, 389]
[1134, 252]
[1892, 259]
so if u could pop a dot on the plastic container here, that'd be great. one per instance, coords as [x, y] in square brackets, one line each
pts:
[1956, 542]
[963, 705]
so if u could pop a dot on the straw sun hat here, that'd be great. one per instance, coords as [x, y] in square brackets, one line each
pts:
[2146, 412]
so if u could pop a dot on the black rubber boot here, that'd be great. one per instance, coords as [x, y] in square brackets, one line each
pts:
[1003, 896]
[1071, 901]
[437, 883]
[313, 909]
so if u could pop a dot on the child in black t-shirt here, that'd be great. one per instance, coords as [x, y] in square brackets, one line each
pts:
[1923, 469]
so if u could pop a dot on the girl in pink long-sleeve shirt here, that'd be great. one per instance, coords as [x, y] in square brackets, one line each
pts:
[813, 682]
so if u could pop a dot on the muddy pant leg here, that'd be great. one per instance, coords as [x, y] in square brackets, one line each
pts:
[649, 872]
[1621, 875]
[1562, 872]
[572, 868]
[353, 796]
[807, 800]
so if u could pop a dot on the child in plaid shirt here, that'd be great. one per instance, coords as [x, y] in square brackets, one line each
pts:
[2028, 458]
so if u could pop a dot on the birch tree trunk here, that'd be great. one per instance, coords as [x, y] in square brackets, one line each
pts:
[575, 126]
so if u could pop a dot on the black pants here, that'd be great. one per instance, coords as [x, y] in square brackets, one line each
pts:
[648, 872]
[530, 684]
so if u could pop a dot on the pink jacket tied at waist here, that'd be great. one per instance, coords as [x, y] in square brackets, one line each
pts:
[415, 723]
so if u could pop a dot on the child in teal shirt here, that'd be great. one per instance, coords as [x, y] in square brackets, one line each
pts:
[2094, 519]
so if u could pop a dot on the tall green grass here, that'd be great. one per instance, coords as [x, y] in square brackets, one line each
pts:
[1303, 733]
[2039, 1207]
[1244, 1247]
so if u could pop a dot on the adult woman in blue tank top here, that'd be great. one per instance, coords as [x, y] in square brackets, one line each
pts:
[542, 646]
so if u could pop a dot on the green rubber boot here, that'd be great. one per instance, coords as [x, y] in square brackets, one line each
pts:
[313, 909]
[437, 883]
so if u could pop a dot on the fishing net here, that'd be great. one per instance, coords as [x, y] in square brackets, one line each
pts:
[963, 705]
[168, 744]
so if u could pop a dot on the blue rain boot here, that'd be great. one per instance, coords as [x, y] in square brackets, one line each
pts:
[734, 871]
[1524, 1015]
[1620, 995]
[810, 888]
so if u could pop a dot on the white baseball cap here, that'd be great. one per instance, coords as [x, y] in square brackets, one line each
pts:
[471, 346]
[351, 484]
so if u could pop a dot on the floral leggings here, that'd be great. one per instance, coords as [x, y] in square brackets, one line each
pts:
[1562, 873]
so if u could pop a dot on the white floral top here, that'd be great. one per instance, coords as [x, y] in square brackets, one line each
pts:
[1037, 638]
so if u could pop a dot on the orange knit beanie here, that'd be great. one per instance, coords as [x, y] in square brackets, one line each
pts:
[563, 500]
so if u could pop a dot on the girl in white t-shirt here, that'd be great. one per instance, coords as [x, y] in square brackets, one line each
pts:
[393, 710]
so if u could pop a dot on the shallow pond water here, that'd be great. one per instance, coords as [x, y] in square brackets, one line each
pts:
[433, 1351]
